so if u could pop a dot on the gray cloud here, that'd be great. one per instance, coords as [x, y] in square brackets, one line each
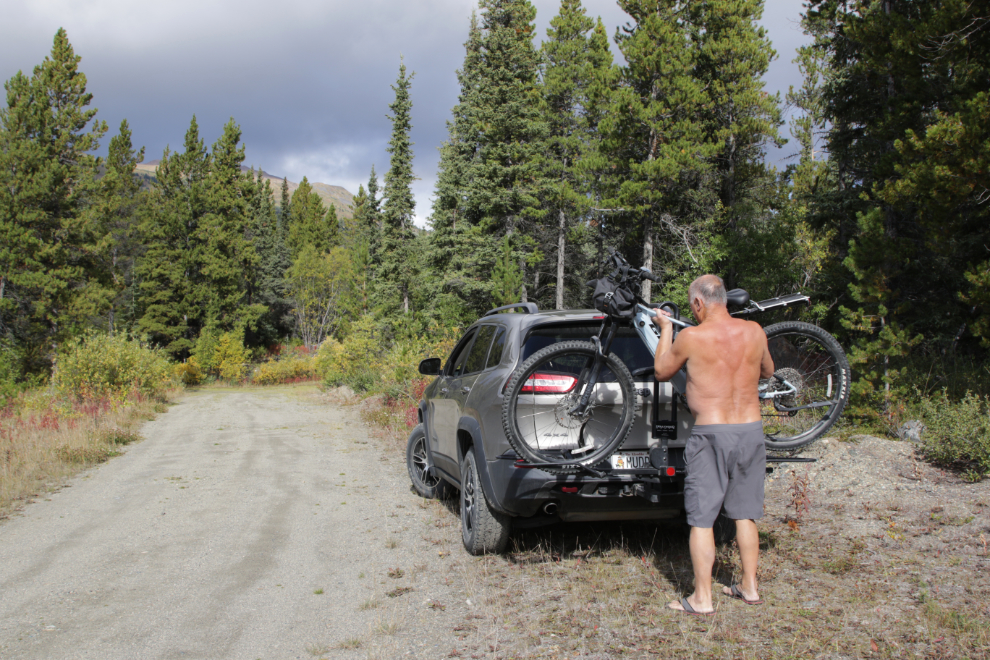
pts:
[308, 81]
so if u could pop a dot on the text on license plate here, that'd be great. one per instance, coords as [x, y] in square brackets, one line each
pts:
[630, 460]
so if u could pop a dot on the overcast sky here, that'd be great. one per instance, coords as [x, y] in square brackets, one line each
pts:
[307, 80]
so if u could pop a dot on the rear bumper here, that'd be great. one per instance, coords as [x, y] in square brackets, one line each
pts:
[627, 495]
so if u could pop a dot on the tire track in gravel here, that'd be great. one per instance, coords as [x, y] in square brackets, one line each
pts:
[214, 536]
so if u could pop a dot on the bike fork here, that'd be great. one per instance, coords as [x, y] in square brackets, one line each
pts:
[601, 351]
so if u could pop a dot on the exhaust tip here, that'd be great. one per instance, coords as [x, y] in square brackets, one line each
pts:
[550, 508]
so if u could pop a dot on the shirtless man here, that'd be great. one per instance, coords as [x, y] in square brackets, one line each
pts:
[725, 455]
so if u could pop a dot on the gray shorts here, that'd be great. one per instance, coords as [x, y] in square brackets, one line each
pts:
[726, 467]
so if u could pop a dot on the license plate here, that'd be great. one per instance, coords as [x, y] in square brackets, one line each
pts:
[630, 460]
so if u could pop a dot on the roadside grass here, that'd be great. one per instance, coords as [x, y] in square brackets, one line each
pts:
[45, 439]
[602, 591]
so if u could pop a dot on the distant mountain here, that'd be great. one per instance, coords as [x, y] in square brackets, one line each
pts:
[342, 200]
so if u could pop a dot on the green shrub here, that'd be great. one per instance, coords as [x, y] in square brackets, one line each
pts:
[189, 372]
[221, 355]
[957, 433]
[205, 350]
[231, 357]
[281, 371]
[355, 362]
[101, 366]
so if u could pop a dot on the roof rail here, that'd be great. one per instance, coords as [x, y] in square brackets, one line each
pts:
[528, 308]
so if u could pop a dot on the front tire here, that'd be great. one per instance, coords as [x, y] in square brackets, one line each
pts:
[427, 485]
[812, 361]
[483, 530]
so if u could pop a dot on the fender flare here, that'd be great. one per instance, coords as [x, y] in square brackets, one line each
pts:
[470, 426]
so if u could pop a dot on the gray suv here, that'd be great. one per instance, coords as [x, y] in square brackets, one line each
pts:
[460, 443]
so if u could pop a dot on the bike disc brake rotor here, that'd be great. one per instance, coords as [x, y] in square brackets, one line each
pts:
[792, 376]
[568, 434]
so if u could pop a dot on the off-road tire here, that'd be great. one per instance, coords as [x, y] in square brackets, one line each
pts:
[427, 485]
[483, 530]
[839, 369]
[618, 435]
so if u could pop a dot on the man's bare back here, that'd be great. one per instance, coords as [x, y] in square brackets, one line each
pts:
[725, 357]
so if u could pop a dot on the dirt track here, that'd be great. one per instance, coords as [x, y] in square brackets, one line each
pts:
[213, 536]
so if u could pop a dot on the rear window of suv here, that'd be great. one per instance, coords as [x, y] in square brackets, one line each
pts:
[627, 345]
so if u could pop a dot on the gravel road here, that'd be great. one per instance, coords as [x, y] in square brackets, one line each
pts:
[248, 523]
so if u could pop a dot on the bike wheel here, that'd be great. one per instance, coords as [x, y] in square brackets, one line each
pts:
[812, 361]
[537, 413]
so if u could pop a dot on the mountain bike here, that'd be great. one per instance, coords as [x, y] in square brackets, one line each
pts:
[571, 405]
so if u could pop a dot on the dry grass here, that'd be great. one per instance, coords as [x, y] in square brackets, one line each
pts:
[43, 441]
[600, 591]
[913, 587]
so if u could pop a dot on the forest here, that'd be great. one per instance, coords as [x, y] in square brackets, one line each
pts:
[557, 149]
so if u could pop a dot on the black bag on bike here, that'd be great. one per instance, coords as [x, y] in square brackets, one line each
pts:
[612, 299]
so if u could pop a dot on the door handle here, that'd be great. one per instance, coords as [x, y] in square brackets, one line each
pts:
[465, 389]
[443, 391]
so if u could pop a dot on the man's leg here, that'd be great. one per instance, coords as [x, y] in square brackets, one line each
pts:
[702, 544]
[748, 540]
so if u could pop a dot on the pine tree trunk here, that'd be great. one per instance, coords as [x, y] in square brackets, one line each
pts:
[647, 254]
[522, 269]
[405, 300]
[560, 261]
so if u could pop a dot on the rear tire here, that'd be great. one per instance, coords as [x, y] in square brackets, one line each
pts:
[539, 425]
[810, 356]
[427, 485]
[483, 530]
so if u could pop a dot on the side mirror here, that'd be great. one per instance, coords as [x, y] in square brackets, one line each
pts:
[430, 367]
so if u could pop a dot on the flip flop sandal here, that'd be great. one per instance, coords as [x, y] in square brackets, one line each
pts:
[738, 594]
[690, 610]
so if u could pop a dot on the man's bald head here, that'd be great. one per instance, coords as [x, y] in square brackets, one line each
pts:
[710, 288]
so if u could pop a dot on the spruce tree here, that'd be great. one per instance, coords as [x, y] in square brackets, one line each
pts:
[115, 211]
[739, 117]
[269, 286]
[654, 153]
[904, 110]
[227, 257]
[489, 184]
[394, 277]
[572, 60]
[372, 220]
[173, 296]
[47, 175]
[311, 224]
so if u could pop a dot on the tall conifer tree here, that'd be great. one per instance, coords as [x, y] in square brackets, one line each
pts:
[47, 174]
[312, 224]
[394, 275]
[115, 211]
[572, 60]
[653, 146]
[489, 177]
[172, 291]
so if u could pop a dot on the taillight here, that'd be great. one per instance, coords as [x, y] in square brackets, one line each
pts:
[548, 384]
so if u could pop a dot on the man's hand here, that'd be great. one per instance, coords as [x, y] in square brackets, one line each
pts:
[662, 320]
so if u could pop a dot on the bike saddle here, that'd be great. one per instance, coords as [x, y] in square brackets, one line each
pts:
[737, 297]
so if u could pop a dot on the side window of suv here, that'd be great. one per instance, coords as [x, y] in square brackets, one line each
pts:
[460, 355]
[479, 351]
[495, 355]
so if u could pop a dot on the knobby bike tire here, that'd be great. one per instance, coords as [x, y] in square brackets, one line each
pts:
[539, 427]
[805, 353]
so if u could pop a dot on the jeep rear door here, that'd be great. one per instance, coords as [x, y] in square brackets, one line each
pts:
[467, 367]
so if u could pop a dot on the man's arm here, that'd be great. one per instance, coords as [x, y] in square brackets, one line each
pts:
[766, 364]
[671, 354]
